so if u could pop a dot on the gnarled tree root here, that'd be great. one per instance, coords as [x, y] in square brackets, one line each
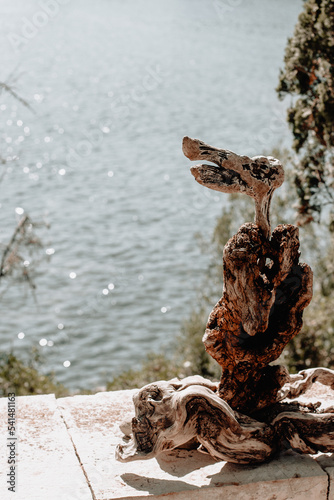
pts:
[171, 413]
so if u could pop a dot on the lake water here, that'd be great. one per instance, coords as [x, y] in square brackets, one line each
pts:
[114, 85]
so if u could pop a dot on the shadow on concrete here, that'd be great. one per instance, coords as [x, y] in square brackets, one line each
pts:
[156, 486]
[288, 466]
[179, 462]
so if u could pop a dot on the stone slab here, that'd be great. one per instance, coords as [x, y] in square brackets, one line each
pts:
[326, 461]
[330, 472]
[47, 466]
[93, 422]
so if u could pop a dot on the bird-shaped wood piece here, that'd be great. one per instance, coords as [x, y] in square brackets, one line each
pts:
[258, 176]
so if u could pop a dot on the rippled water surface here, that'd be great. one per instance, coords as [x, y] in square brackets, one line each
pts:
[113, 86]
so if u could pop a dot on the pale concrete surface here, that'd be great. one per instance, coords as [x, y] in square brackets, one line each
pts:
[59, 439]
[330, 472]
[326, 461]
[93, 422]
[47, 467]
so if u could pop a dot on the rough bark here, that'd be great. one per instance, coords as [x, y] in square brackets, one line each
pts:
[265, 292]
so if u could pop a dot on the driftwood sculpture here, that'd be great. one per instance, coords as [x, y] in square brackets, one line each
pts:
[265, 288]
[248, 416]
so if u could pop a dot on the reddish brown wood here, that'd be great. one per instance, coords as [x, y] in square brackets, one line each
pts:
[259, 313]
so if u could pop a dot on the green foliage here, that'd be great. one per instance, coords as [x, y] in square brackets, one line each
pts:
[192, 355]
[25, 378]
[308, 76]
[188, 357]
[154, 367]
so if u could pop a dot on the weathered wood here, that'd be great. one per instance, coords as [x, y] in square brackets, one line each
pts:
[258, 176]
[170, 414]
[265, 287]
[248, 416]
[302, 381]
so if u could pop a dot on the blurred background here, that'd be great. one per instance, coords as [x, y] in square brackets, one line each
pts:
[96, 98]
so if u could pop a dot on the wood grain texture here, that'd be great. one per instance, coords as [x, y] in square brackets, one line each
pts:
[169, 414]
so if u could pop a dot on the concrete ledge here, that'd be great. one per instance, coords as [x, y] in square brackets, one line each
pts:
[46, 465]
[65, 451]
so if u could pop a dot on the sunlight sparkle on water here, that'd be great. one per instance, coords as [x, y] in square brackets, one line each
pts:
[105, 291]
[111, 286]
[21, 335]
[19, 210]
[43, 342]
[163, 309]
[72, 275]
[50, 251]
[19, 123]
[62, 171]
[67, 363]
[60, 326]
[110, 173]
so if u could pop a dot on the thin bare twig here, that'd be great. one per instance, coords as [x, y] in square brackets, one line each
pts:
[8, 88]
[9, 247]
